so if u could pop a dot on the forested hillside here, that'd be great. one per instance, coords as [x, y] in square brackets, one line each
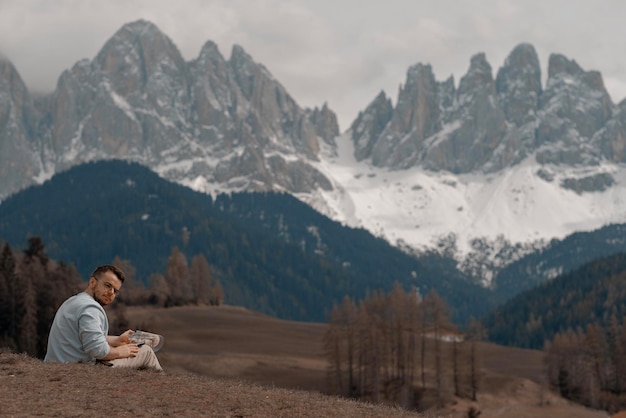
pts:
[559, 257]
[271, 252]
[592, 294]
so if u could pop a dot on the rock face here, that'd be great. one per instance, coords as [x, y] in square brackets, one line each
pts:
[228, 124]
[225, 121]
[486, 125]
[19, 162]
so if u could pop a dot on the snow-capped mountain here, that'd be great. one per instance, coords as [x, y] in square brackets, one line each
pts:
[483, 171]
[215, 120]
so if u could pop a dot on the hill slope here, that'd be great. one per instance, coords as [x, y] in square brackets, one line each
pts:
[592, 293]
[231, 352]
[89, 391]
[559, 257]
[271, 252]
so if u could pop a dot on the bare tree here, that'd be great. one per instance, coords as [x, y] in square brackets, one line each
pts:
[217, 294]
[372, 349]
[159, 290]
[134, 292]
[437, 320]
[333, 343]
[200, 278]
[28, 335]
[475, 333]
[177, 277]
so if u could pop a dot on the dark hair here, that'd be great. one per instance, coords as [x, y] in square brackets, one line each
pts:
[108, 267]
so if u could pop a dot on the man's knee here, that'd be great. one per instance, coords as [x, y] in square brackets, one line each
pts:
[148, 358]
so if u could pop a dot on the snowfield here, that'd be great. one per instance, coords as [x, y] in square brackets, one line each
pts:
[419, 208]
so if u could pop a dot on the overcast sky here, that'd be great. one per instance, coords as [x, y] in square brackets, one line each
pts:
[343, 52]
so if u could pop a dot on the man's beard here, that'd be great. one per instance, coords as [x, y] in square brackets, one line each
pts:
[100, 300]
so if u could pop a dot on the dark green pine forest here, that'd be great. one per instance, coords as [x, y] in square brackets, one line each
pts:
[578, 319]
[562, 256]
[270, 252]
[594, 294]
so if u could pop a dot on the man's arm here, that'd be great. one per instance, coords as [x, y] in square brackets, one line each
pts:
[96, 343]
[117, 340]
[122, 351]
[120, 347]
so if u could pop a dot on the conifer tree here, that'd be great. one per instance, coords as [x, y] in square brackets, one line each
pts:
[37, 295]
[8, 285]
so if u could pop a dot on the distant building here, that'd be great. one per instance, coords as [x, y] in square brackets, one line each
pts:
[445, 334]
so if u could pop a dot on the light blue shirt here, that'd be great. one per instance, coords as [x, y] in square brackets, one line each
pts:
[78, 332]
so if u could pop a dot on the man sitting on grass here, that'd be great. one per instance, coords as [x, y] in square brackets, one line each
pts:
[79, 332]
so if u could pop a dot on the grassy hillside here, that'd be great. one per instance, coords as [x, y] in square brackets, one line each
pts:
[237, 345]
[32, 388]
[232, 362]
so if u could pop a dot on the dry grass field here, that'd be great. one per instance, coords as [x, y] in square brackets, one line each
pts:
[231, 362]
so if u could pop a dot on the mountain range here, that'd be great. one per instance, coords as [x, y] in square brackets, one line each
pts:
[485, 172]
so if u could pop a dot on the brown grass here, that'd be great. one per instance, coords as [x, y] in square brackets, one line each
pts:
[29, 388]
[231, 362]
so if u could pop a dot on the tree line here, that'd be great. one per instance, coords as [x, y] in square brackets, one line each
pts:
[33, 286]
[588, 365]
[181, 284]
[397, 347]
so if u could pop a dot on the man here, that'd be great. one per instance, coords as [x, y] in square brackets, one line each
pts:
[79, 332]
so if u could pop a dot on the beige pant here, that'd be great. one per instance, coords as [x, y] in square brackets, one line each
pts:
[145, 359]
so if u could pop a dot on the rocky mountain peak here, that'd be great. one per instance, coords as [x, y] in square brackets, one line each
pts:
[488, 124]
[369, 124]
[18, 119]
[518, 84]
[479, 77]
[325, 123]
[136, 53]
[11, 85]
[416, 117]
[475, 124]
[247, 73]
[559, 64]
[210, 53]
[207, 121]
[575, 106]
[417, 104]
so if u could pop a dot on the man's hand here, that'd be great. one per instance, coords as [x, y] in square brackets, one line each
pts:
[122, 351]
[119, 340]
[127, 350]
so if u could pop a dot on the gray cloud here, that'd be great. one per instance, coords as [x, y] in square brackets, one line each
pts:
[340, 52]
